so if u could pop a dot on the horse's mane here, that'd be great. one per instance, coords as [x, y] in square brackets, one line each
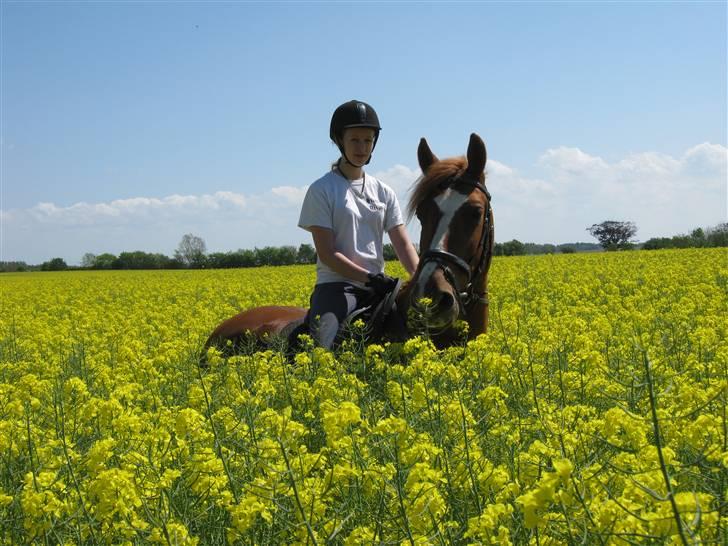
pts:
[439, 172]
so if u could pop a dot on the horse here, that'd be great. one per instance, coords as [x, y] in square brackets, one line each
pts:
[453, 206]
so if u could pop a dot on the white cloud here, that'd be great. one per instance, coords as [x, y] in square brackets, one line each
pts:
[226, 219]
[706, 160]
[291, 194]
[128, 210]
[572, 162]
[510, 185]
[647, 164]
[664, 195]
[400, 178]
[496, 168]
[568, 191]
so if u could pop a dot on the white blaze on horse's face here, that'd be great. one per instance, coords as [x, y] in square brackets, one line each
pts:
[449, 202]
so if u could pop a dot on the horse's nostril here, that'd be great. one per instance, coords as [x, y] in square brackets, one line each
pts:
[446, 301]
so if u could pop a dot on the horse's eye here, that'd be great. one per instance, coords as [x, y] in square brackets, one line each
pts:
[473, 214]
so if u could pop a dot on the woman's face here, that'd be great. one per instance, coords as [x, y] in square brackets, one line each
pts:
[358, 143]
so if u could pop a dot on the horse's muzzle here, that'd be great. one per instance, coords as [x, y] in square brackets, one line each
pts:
[435, 305]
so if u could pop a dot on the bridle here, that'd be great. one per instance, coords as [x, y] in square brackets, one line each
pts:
[446, 261]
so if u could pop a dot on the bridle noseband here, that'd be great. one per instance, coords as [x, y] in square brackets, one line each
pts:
[446, 261]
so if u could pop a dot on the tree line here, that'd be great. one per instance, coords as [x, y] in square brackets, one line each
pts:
[517, 248]
[711, 237]
[192, 253]
[197, 258]
[269, 255]
[615, 235]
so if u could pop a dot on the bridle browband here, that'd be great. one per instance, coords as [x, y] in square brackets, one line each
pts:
[467, 295]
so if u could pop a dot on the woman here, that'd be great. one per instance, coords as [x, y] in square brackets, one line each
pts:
[348, 211]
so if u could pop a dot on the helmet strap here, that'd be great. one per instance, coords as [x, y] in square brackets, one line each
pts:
[341, 171]
[343, 153]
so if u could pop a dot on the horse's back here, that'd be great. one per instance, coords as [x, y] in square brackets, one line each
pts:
[259, 322]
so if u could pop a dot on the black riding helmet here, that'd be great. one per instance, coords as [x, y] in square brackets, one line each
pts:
[354, 113]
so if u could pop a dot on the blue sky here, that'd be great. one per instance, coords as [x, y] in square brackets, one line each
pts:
[128, 124]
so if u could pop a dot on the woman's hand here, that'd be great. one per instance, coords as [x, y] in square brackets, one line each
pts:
[381, 284]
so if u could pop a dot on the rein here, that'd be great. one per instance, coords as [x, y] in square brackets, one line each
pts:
[466, 295]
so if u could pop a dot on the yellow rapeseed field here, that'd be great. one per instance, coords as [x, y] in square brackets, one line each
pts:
[593, 412]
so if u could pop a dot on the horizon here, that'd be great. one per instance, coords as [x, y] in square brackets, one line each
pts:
[126, 125]
[540, 249]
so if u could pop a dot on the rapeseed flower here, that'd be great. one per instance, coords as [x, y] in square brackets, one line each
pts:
[539, 430]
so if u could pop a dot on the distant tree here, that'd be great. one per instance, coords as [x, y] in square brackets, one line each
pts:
[306, 254]
[217, 260]
[612, 234]
[389, 252]
[276, 255]
[265, 255]
[533, 248]
[239, 258]
[566, 249]
[656, 243]
[698, 236]
[510, 248]
[171, 263]
[104, 261]
[56, 264]
[286, 255]
[514, 248]
[11, 267]
[142, 260]
[191, 251]
[88, 260]
[246, 258]
[682, 241]
[718, 235]
[579, 247]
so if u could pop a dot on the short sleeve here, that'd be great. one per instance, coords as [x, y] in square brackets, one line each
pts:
[316, 209]
[393, 216]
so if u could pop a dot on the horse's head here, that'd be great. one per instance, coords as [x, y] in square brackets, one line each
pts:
[453, 206]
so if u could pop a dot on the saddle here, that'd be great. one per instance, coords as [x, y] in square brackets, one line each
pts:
[379, 315]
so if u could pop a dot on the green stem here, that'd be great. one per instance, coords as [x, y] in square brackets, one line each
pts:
[400, 495]
[295, 493]
[218, 446]
[658, 443]
[62, 423]
[467, 459]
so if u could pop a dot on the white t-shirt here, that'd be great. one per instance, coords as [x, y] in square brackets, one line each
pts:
[358, 214]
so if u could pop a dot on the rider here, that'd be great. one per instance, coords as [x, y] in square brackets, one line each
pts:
[348, 211]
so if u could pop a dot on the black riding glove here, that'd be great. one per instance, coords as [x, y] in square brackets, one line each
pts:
[381, 284]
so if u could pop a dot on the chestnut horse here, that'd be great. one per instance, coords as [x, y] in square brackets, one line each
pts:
[453, 206]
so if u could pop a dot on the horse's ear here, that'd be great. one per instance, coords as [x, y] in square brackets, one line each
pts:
[425, 156]
[477, 156]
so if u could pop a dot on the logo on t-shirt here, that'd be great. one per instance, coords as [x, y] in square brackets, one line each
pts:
[373, 205]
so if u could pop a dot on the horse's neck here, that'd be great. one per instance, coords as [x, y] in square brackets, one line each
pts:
[478, 314]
